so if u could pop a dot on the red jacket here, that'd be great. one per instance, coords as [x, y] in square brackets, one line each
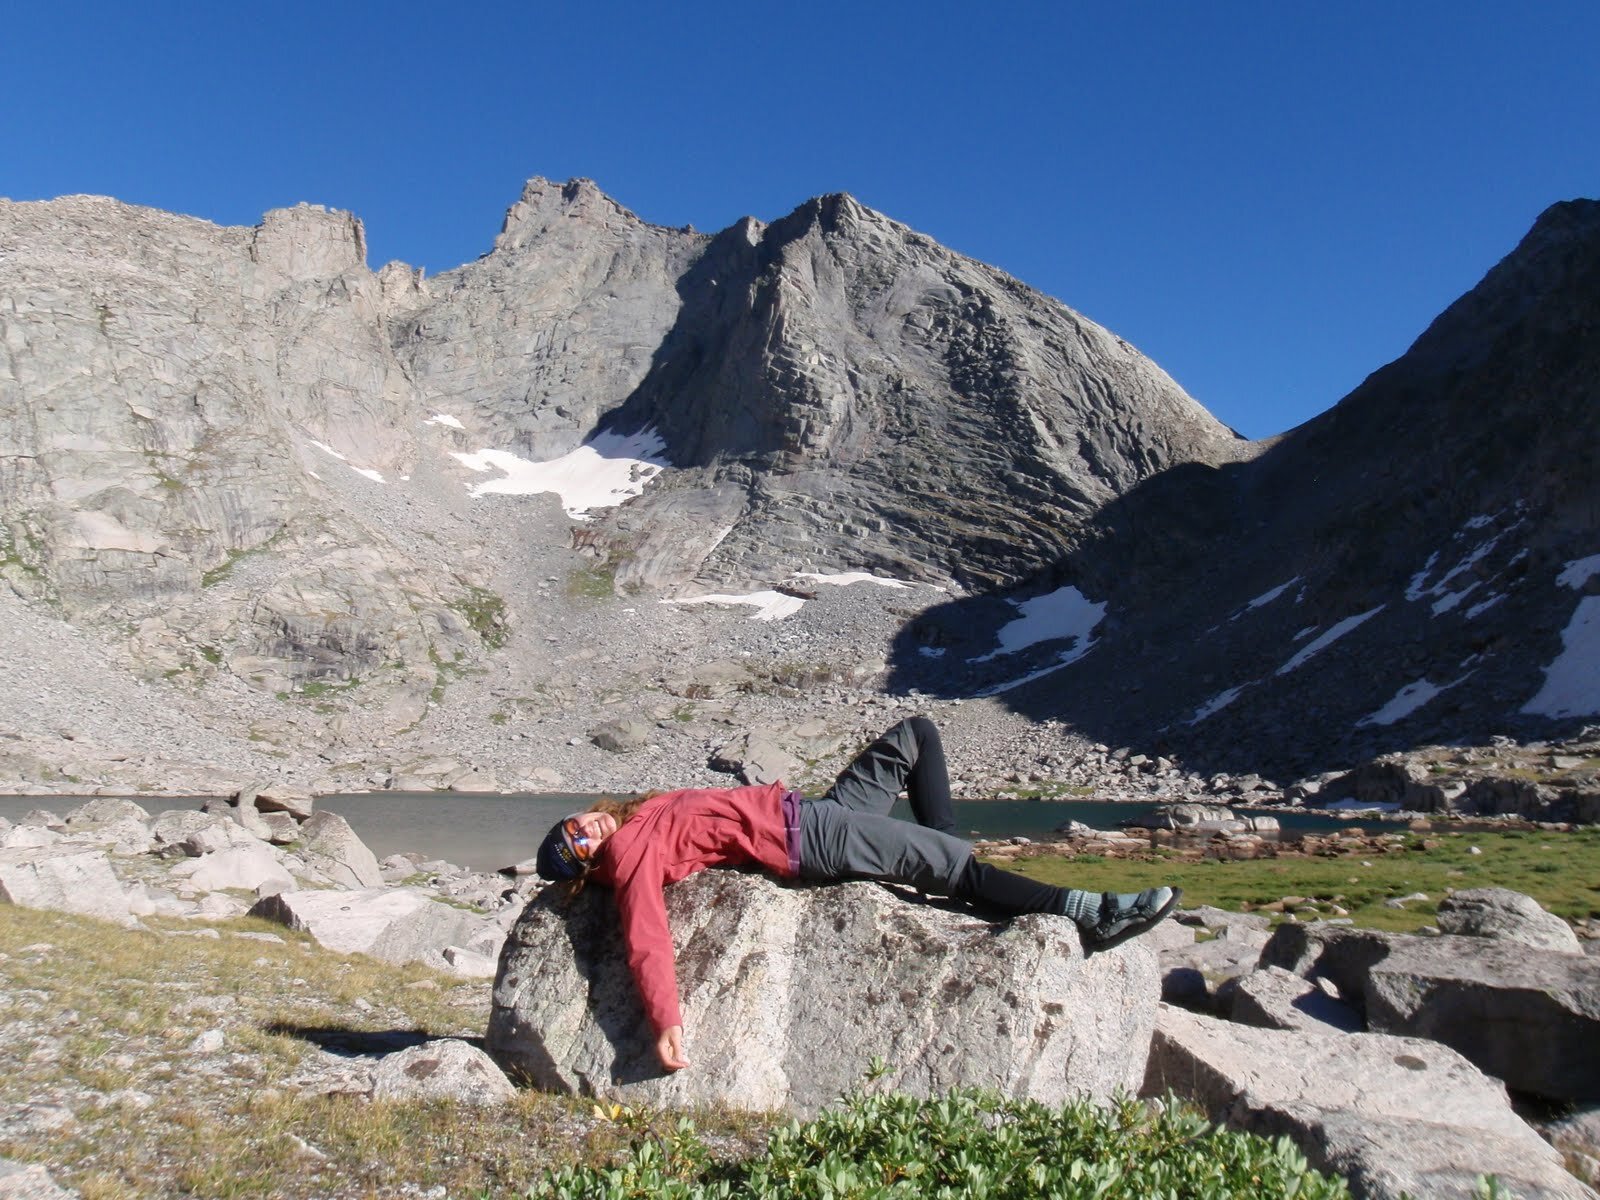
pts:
[670, 838]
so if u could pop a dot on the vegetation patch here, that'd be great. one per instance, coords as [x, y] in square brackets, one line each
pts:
[221, 571]
[485, 614]
[968, 1144]
[1560, 870]
[13, 556]
[597, 582]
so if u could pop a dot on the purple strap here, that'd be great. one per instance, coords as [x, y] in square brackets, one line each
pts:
[791, 829]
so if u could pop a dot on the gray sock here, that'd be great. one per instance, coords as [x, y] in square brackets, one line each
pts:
[1081, 906]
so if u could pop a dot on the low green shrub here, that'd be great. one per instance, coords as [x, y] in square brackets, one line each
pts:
[968, 1144]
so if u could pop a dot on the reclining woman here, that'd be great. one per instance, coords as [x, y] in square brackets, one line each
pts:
[639, 847]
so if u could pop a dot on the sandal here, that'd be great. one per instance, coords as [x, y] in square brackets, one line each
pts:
[1124, 916]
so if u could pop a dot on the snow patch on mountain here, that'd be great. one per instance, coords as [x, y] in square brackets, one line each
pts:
[1216, 704]
[773, 605]
[1327, 639]
[845, 578]
[367, 472]
[1266, 598]
[769, 605]
[1063, 613]
[1572, 681]
[1406, 701]
[605, 471]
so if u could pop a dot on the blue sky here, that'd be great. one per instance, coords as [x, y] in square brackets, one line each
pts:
[1269, 199]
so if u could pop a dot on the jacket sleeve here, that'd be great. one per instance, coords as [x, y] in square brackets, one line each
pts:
[643, 910]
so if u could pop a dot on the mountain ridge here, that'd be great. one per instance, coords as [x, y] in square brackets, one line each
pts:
[241, 459]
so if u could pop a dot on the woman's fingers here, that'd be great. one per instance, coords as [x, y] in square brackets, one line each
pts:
[669, 1048]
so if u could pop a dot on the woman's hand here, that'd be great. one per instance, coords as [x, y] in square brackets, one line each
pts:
[669, 1048]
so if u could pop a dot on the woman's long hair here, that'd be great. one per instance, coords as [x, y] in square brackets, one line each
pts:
[622, 811]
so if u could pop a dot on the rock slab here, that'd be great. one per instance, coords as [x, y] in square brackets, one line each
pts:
[398, 925]
[1396, 1116]
[789, 992]
[1506, 915]
[63, 880]
[1529, 1017]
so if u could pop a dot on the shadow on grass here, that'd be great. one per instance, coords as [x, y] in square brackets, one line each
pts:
[360, 1043]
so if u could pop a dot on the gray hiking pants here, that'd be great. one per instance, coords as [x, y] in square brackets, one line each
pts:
[848, 834]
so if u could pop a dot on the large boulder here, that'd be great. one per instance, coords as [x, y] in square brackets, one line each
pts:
[1341, 954]
[171, 830]
[1273, 998]
[1511, 916]
[1396, 1116]
[63, 879]
[1529, 1017]
[106, 810]
[247, 868]
[1193, 973]
[274, 798]
[789, 992]
[244, 816]
[1189, 818]
[329, 845]
[398, 925]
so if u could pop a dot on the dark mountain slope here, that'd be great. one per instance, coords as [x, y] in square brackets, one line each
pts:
[1420, 532]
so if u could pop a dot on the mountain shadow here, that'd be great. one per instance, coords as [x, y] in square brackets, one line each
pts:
[1407, 568]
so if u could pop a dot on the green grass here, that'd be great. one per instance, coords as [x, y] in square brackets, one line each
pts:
[1560, 870]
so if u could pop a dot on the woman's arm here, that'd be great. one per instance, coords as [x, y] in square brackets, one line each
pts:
[643, 910]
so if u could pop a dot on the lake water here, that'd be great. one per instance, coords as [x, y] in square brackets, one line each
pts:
[488, 832]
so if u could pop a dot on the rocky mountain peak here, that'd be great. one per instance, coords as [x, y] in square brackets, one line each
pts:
[309, 242]
[1558, 257]
[545, 203]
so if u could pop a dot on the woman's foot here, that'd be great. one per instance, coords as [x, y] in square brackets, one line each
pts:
[1125, 915]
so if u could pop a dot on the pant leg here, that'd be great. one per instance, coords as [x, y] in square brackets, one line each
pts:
[1010, 894]
[909, 755]
[837, 843]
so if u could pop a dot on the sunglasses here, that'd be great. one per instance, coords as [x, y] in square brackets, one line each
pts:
[583, 846]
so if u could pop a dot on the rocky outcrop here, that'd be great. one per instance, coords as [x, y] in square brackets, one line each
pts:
[29, 1181]
[1506, 915]
[330, 847]
[106, 863]
[1433, 585]
[1527, 1016]
[1202, 819]
[1397, 1116]
[63, 879]
[398, 925]
[1273, 998]
[175, 402]
[789, 993]
[237, 462]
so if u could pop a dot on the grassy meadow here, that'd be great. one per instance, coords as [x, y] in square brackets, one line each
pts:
[1560, 870]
